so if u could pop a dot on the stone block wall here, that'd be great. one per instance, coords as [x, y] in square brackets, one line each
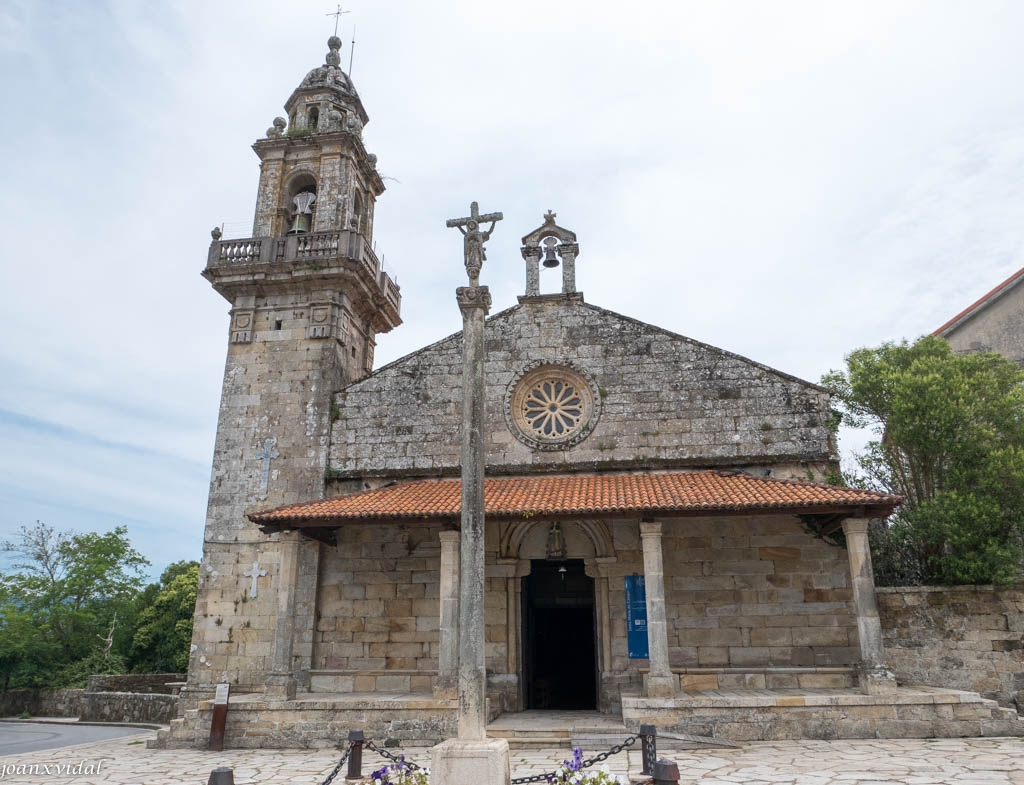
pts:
[724, 409]
[378, 610]
[962, 637]
[744, 594]
[997, 327]
[756, 592]
[278, 385]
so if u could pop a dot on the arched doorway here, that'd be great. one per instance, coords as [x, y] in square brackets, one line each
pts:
[559, 636]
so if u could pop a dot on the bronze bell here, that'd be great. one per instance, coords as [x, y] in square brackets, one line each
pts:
[549, 257]
[300, 224]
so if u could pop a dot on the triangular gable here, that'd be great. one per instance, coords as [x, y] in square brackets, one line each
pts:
[980, 304]
[664, 400]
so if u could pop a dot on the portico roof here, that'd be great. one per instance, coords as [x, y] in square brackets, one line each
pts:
[668, 494]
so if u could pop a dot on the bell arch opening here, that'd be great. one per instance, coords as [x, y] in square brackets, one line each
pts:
[300, 200]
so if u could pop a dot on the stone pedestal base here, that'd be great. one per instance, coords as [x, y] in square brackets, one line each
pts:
[445, 688]
[457, 762]
[280, 686]
[877, 680]
[661, 686]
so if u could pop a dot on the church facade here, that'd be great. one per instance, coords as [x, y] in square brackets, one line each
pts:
[659, 529]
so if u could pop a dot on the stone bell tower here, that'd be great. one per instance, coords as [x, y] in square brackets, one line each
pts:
[308, 297]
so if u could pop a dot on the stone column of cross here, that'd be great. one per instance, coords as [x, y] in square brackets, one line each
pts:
[472, 757]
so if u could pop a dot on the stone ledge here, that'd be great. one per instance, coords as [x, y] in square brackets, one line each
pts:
[336, 702]
[755, 698]
[792, 714]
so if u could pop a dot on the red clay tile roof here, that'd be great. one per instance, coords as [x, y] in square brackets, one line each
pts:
[679, 493]
[980, 302]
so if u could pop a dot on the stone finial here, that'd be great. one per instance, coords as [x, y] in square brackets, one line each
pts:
[335, 120]
[334, 56]
[555, 239]
[278, 127]
[216, 233]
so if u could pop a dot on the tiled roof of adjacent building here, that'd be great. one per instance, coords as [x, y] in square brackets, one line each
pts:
[980, 303]
[667, 494]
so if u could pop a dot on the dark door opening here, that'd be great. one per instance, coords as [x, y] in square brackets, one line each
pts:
[559, 639]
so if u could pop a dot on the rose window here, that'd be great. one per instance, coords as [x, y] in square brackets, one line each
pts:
[551, 407]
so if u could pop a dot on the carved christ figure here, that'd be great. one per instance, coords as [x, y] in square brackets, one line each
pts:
[474, 239]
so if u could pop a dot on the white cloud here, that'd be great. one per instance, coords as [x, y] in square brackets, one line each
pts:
[787, 180]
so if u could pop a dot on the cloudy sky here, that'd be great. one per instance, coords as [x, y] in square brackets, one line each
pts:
[786, 180]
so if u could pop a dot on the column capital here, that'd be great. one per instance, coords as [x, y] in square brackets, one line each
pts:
[472, 298]
[568, 249]
[650, 528]
[449, 536]
[856, 525]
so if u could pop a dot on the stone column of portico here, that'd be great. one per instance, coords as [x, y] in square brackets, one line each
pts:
[448, 659]
[660, 682]
[875, 676]
[281, 682]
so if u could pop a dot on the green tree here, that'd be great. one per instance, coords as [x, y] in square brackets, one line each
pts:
[949, 438]
[62, 594]
[24, 650]
[163, 625]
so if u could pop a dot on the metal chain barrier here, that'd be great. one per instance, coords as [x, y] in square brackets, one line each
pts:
[400, 760]
[615, 750]
[547, 776]
[341, 762]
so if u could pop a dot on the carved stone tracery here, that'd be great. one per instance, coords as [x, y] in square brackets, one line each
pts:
[551, 406]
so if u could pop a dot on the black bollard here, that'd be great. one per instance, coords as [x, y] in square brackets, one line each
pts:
[222, 775]
[666, 772]
[355, 755]
[649, 752]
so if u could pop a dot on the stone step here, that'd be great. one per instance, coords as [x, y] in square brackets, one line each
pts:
[529, 733]
[600, 741]
[540, 743]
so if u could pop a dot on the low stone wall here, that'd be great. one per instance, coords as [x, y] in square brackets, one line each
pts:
[151, 683]
[961, 637]
[131, 707]
[41, 703]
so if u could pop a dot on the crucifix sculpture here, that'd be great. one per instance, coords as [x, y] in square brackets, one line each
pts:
[474, 239]
[267, 454]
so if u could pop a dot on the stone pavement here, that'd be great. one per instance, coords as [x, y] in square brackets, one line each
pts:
[998, 761]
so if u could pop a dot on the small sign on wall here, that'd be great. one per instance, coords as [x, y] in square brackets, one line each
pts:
[636, 617]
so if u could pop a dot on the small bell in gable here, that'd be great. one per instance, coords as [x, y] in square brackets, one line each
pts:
[550, 260]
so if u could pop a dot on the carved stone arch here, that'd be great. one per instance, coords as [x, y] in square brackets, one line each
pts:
[586, 539]
[303, 178]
